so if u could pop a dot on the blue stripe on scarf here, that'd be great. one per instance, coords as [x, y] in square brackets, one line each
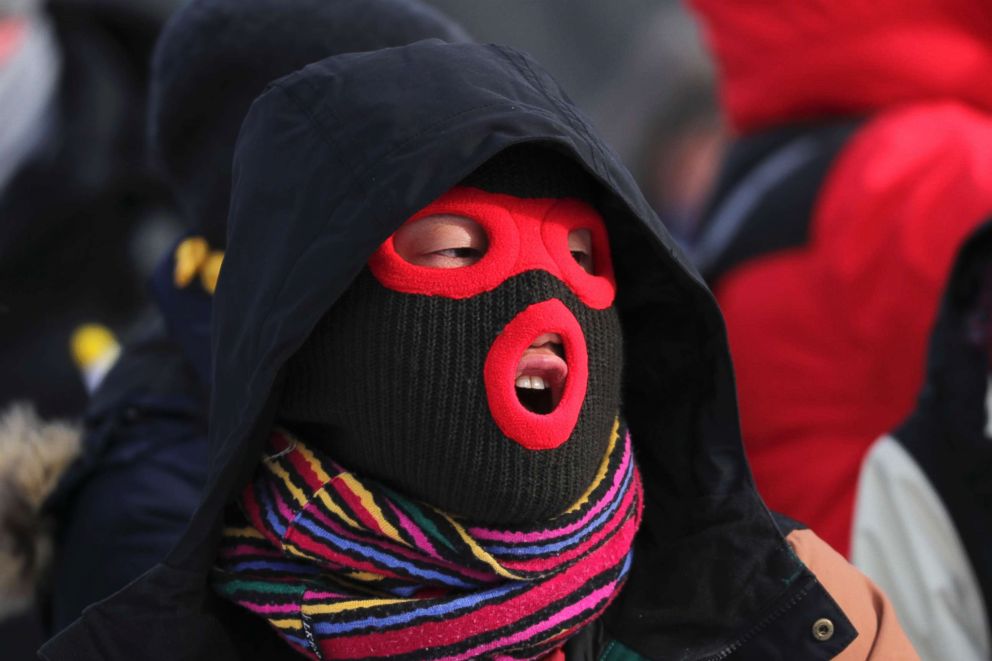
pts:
[382, 558]
[438, 609]
[575, 537]
[277, 565]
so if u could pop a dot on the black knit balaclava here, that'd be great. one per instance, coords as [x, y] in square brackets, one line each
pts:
[411, 378]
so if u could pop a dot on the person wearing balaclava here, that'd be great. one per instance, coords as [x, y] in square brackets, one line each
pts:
[143, 462]
[474, 366]
[468, 401]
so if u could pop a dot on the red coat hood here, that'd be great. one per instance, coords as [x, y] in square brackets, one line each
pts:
[789, 60]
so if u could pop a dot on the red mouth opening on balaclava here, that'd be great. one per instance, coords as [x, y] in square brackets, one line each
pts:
[488, 390]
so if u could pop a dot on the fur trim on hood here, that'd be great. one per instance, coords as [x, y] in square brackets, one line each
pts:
[33, 456]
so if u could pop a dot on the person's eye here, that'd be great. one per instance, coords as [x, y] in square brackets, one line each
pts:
[580, 245]
[441, 242]
[584, 260]
[471, 254]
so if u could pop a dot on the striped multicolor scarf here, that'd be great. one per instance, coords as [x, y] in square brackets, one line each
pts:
[345, 568]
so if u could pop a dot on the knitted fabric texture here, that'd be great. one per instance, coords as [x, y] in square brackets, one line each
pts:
[392, 385]
[533, 171]
[345, 568]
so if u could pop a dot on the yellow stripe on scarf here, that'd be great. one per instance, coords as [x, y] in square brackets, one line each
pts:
[353, 604]
[368, 501]
[480, 552]
[287, 624]
[293, 549]
[334, 507]
[321, 474]
[297, 493]
[247, 531]
[601, 473]
[312, 462]
[365, 576]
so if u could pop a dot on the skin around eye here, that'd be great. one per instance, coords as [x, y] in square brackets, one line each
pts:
[580, 245]
[441, 242]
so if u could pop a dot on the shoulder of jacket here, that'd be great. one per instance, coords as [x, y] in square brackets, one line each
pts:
[880, 636]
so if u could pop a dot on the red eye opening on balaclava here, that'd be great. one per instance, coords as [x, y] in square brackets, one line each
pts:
[488, 388]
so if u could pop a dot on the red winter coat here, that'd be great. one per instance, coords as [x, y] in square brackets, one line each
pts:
[828, 325]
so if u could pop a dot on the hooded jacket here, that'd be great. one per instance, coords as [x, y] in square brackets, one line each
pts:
[923, 516]
[330, 161]
[862, 162]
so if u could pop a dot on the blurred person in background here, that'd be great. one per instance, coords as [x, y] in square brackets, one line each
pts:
[923, 520]
[661, 115]
[862, 159]
[583, 43]
[143, 461]
[82, 219]
[81, 214]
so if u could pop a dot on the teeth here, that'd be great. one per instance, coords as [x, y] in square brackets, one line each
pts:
[531, 382]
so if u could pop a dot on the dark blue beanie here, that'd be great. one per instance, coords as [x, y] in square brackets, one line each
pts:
[216, 56]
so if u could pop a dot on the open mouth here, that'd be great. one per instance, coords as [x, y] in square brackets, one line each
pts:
[535, 395]
[541, 374]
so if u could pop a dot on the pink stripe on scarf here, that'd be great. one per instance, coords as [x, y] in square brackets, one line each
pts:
[563, 615]
[268, 609]
[509, 537]
[304, 470]
[397, 549]
[241, 551]
[324, 554]
[283, 508]
[487, 618]
[355, 503]
[419, 538]
[545, 563]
